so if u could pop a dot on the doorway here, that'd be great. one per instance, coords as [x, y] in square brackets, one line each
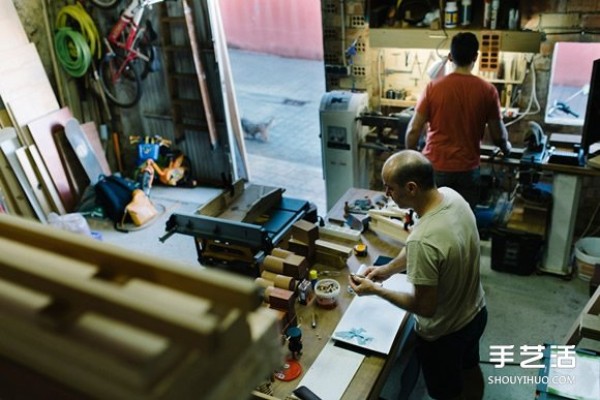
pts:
[275, 54]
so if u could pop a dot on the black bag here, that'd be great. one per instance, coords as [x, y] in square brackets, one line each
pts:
[113, 193]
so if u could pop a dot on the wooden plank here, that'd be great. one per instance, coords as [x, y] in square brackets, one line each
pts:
[32, 105]
[13, 171]
[33, 180]
[91, 134]
[42, 130]
[83, 150]
[201, 74]
[46, 181]
[76, 175]
[8, 11]
[102, 297]
[591, 307]
[23, 80]
[12, 34]
[5, 121]
[19, 204]
[224, 288]
[7, 203]
[25, 54]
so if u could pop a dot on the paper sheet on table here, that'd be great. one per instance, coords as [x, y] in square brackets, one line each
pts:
[332, 372]
[580, 382]
[373, 318]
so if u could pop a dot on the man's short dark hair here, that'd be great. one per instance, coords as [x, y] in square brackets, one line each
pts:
[464, 48]
[413, 166]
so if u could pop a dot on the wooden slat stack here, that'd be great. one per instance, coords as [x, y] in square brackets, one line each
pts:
[106, 324]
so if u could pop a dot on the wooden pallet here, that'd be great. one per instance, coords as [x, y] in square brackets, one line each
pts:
[108, 324]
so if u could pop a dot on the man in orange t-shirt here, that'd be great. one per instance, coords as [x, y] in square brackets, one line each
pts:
[458, 107]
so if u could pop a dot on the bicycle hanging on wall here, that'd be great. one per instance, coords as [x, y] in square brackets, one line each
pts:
[128, 53]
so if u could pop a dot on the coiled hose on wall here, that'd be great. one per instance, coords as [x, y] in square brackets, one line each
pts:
[76, 40]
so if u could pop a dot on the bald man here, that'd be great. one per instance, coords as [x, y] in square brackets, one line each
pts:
[441, 259]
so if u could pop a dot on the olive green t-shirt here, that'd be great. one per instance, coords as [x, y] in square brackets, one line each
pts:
[443, 250]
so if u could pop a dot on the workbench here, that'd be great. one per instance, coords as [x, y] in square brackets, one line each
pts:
[566, 189]
[372, 373]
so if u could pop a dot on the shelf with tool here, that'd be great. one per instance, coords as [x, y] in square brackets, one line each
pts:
[413, 40]
[415, 24]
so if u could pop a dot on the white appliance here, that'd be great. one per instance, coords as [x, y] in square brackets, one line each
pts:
[344, 162]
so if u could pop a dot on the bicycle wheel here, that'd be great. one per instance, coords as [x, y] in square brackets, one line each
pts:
[105, 3]
[122, 85]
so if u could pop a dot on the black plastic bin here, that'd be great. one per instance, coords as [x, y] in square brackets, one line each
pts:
[516, 252]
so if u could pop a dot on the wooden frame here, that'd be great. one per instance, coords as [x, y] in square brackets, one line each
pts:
[109, 324]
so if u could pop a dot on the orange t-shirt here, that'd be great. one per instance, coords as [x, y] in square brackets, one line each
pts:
[457, 107]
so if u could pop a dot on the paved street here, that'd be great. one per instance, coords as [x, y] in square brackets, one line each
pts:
[289, 91]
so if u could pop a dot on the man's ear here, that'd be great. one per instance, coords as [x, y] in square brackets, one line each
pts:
[411, 187]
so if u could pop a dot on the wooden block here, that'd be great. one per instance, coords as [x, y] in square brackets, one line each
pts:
[295, 266]
[278, 280]
[301, 248]
[281, 253]
[389, 227]
[324, 246]
[305, 231]
[264, 283]
[272, 264]
[331, 260]
[280, 299]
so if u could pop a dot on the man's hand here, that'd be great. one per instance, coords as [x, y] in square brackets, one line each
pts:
[363, 285]
[506, 149]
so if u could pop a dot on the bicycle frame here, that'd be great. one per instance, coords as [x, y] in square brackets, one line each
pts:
[119, 69]
[130, 19]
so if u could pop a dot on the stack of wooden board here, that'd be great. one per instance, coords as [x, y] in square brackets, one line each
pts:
[44, 166]
[51, 174]
[84, 317]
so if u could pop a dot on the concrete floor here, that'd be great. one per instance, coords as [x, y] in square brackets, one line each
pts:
[523, 310]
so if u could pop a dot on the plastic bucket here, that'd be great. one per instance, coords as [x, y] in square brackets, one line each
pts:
[587, 254]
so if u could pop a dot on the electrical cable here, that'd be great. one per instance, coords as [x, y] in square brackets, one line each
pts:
[72, 51]
[532, 100]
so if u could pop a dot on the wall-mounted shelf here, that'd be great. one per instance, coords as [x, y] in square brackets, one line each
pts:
[397, 103]
[423, 38]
